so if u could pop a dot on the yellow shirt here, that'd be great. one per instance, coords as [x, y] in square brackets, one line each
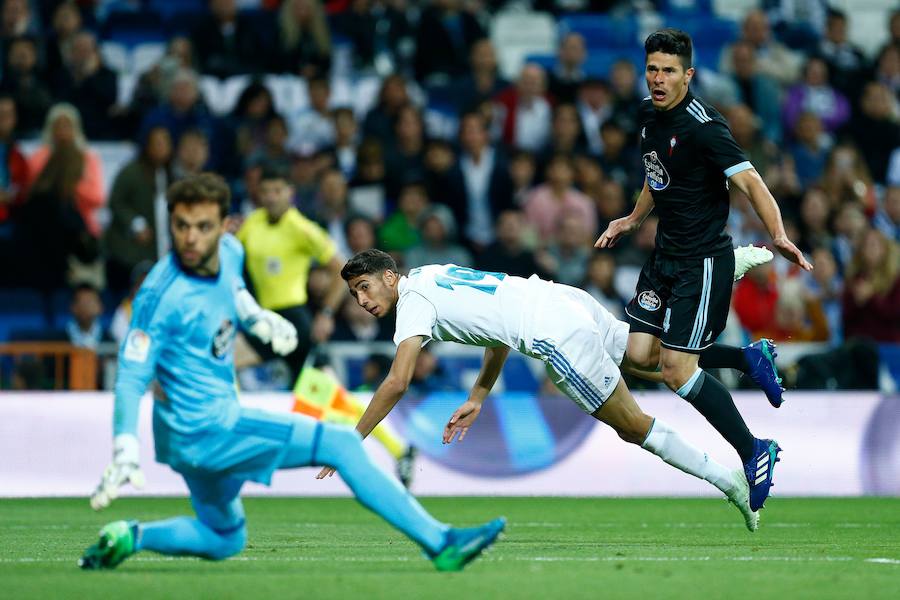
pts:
[279, 256]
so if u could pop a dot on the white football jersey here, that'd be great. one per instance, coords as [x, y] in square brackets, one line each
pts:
[477, 308]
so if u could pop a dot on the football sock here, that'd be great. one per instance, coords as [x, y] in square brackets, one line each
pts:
[720, 356]
[186, 536]
[712, 400]
[342, 448]
[674, 450]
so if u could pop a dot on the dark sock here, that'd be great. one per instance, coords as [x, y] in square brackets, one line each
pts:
[712, 400]
[720, 356]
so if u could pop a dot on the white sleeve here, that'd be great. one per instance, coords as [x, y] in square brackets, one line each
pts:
[415, 316]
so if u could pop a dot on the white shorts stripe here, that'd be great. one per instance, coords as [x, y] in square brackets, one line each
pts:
[700, 319]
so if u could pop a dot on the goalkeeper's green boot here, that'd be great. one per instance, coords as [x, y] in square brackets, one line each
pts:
[117, 541]
[465, 545]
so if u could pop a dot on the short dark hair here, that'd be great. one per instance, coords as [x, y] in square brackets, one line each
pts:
[671, 41]
[368, 262]
[196, 189]
[275, 171]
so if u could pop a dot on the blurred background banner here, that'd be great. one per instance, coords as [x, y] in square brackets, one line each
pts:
[840, 444]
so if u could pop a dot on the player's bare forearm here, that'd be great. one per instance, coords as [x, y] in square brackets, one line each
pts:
[386, 397]
[491, 366]
[764, 204]
[337, 290]
[643, 207]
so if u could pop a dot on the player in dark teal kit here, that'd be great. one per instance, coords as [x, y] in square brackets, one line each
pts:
[182, 335]
[684, 291]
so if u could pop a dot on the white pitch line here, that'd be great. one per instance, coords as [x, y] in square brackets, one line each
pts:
[561, 559]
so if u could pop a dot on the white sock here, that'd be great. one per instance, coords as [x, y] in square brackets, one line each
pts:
[674, 450]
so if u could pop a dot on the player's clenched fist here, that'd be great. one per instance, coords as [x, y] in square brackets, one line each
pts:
[123, 469]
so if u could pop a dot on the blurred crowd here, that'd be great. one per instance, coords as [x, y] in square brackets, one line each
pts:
[530, 172]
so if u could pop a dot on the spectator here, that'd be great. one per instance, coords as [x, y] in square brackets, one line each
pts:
[304, 39]
[333, 208]
[139, 228]
[226, 42]
[405, 158]
[429, 376]
[526, 110]
[16, 20]
[745, 127]
[121, 320]
[380, 33]
[84, 328]
[568, 74]
[872, 292]
[522, 169]
[566, 136]
[479, 183]
[566, 258]
[847, 179]
[346, 141]
[400, 231]
[393, 96]
[482, 82]
[312, 129]
[191, 154]
[62, 128]
[594, 107]
[374, 370]
[625, 96]
[887, 69]
[826, 287]
[815, 211]
[22, 80]
[810, 149]
[250, 117]
[153, 84]
[799, 315]
[183, 110]
[600, 283]
[754, 300]
[13, 168]
[756, 90]
[89, 85]
[850, 225]
[874, 128]
[444, 39]
[813, 94]
[799, 23]
[620, 161]
[368, 193]
[66, 22]
[773, 58]
[887, 219]
[610, 202]
[360, 233]
[273, 150]
[548, 202]
[846, 62]
[438, 232]
[509, 252]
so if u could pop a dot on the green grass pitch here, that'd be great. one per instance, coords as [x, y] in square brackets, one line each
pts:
[553, 548]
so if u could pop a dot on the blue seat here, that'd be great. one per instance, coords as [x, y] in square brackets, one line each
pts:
[686, 7]
[30, 321]
[889, 357]
[602, 31]
[705, 31]
[133, 28]
[600, 61]
[167, 9]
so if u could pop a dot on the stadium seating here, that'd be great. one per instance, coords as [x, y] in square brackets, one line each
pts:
[517, 34]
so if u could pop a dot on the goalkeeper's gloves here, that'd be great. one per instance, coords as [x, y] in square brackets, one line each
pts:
[123, 469]
[265, 325]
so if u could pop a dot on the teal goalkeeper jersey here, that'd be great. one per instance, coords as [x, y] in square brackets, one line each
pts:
[182, 336]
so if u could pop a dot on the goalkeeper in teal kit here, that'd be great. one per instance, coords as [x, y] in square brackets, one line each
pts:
[182, 333]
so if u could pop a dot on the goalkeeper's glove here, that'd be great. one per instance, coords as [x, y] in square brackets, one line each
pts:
[123, 469]
[265, 325]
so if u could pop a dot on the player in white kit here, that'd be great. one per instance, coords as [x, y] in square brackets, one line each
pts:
[579, 341]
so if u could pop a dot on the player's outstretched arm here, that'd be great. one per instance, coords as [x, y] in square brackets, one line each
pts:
[389, 392]
[465, 415]
[630, 224]
[749, 182]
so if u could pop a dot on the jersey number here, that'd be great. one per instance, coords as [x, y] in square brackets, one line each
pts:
[469, 278]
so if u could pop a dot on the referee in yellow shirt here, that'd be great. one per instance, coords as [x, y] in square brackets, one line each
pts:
[280, 246]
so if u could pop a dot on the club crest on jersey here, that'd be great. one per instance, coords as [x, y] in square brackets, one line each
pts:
[224, 339]
[657, 176]
[648, 300]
